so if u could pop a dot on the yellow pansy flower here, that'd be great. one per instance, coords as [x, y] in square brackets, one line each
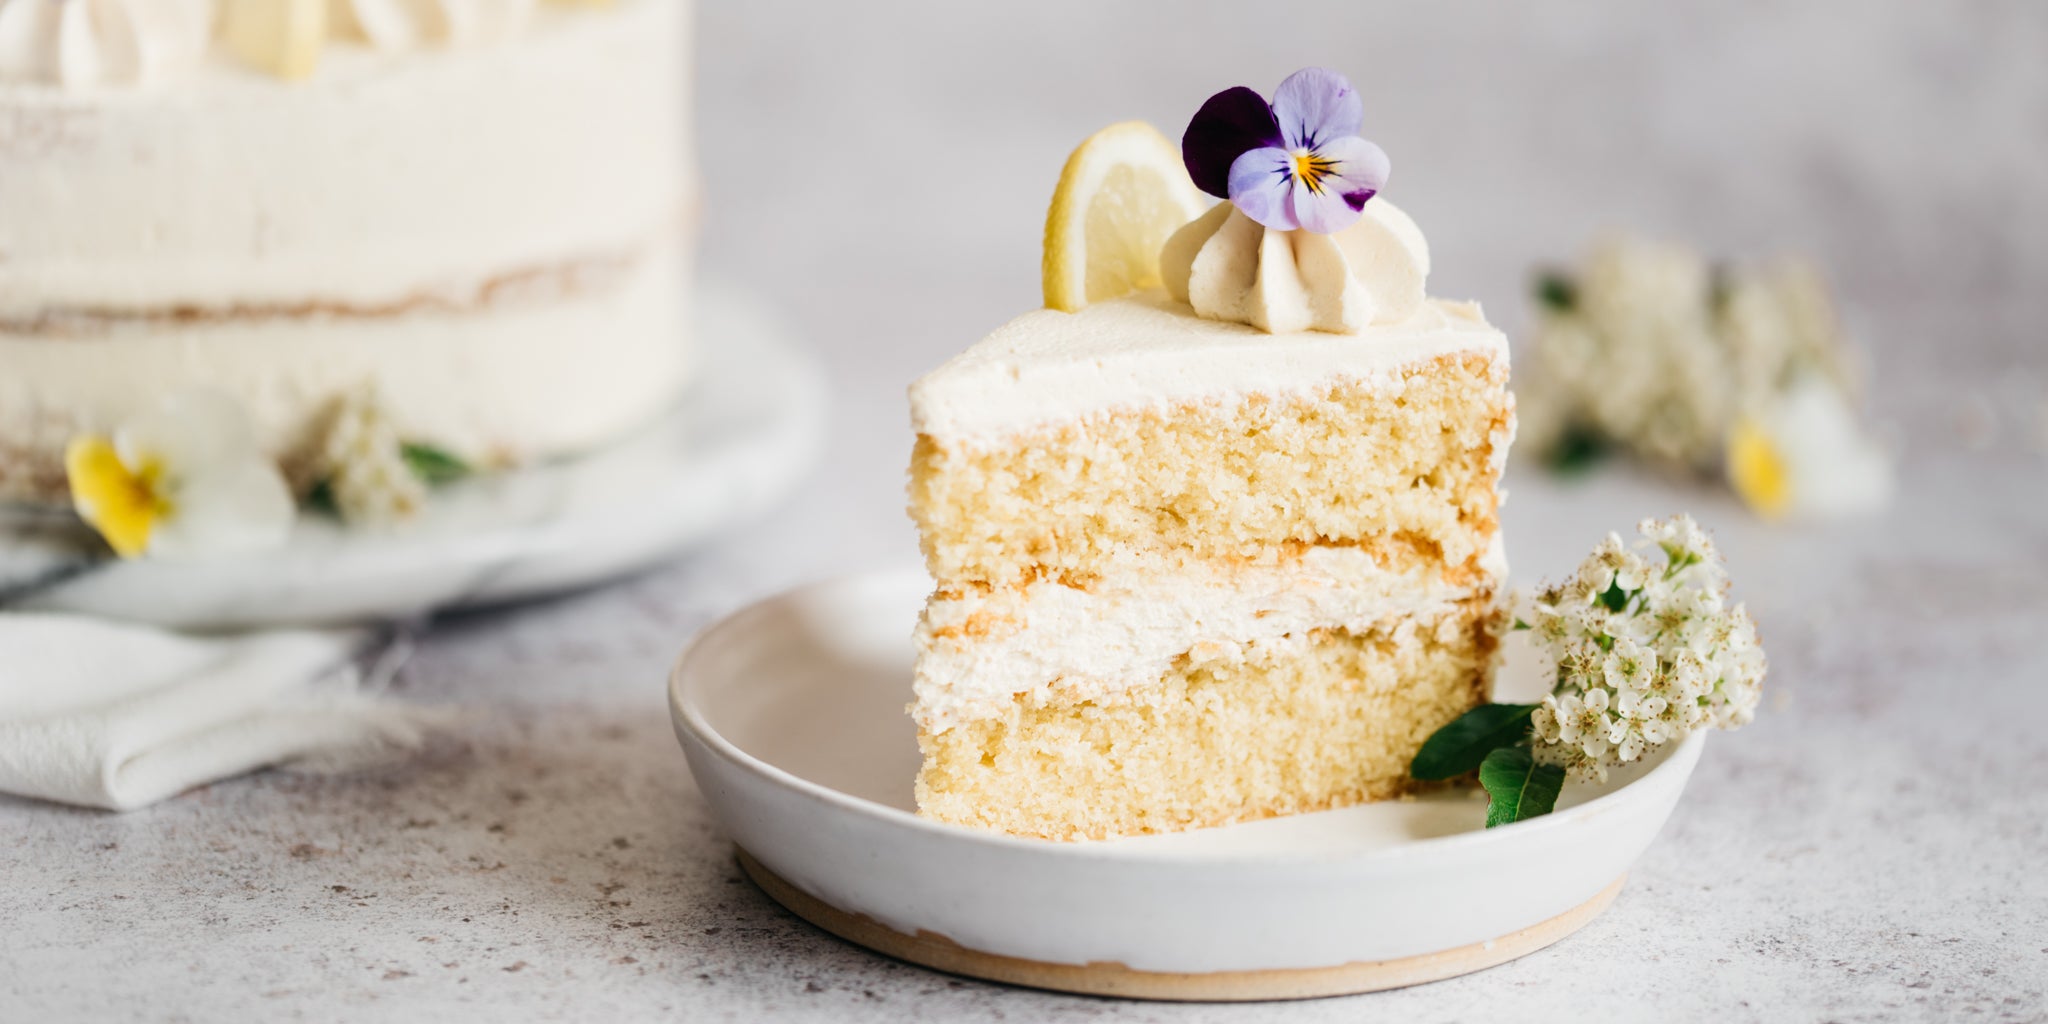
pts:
[123, 503]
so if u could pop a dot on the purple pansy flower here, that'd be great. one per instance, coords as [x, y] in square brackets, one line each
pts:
[1297, 163]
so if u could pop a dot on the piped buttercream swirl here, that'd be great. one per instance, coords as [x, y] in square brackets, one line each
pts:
[1229, 267]
[78, 43]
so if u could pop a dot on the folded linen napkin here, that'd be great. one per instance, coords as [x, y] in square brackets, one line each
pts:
[119, 716]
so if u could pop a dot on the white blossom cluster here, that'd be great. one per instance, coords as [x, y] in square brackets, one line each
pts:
[363, 461]
[1646, 651]
[1651, 348]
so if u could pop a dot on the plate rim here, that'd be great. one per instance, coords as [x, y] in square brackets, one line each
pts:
[687, 714]
[1116, 980]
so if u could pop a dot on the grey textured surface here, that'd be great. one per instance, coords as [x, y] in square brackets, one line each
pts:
[1869, 850]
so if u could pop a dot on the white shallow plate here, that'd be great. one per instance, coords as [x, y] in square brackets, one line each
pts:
[792, 715]
[739, 439]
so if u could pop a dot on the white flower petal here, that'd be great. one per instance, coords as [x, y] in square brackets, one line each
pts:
[241, 506]
[1836, 469]
[191, 432]
[1630, 747]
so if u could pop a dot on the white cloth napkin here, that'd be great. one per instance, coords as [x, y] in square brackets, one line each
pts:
[120, 716]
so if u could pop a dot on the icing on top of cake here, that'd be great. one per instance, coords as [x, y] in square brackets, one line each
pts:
[1147, 350]
[89, 46]
[84, 43]
[573, 153]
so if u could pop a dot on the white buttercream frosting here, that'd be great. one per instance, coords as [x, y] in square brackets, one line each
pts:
[77, 43]
[406, 24]
[1088, 644]
[1227, 266]
[1145, 350]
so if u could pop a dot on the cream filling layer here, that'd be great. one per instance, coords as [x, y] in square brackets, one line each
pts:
[979, 651]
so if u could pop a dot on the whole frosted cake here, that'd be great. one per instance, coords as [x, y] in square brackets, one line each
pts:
[476, 211]
[1217, 549]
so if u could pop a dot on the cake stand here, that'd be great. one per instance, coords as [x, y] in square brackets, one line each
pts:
[739, 439]
[792, 716]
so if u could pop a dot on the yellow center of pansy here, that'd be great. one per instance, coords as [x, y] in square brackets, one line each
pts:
[1758, 470]
[1311, 169]
[124, 503]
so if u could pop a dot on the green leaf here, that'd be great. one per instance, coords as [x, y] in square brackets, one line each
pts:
[320, 498]
[431, 464]
[1517, 787]
[1615, 598]
[1459, 747]
[1557, 292]
[1577, 450]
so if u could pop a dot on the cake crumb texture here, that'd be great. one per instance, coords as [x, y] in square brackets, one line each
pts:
[1326, 719]
[1405, 468]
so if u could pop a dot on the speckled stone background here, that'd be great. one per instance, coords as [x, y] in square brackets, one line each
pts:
[1872, 849]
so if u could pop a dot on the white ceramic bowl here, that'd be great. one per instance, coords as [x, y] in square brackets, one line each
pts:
[792, 714]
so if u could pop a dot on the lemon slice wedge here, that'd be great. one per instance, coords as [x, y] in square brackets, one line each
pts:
[1122, 193]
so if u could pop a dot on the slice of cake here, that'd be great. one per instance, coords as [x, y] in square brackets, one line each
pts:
[1196, 564]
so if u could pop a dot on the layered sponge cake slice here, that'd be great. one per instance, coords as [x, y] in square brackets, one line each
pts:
[1190, 572]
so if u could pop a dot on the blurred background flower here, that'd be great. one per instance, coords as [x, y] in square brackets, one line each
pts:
[1650, 351]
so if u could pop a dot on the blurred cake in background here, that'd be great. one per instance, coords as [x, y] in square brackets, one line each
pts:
[476, 213]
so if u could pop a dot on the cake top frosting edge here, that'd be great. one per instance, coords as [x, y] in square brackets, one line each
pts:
[1148, 349]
